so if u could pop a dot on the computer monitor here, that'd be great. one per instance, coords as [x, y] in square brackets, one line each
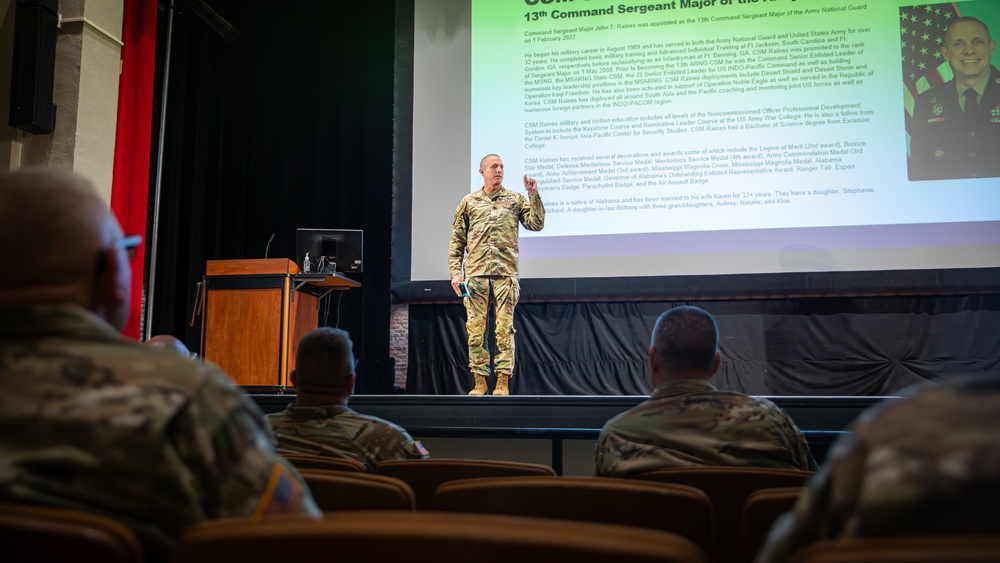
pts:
[330, 250]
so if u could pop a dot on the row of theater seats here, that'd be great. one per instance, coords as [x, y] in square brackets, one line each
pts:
[704, 505]
[461, 510]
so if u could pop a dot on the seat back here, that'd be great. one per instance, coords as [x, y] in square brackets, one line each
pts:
[343, 490]
[760, 511]
[36, 533]
[728, 487]
[925, 549]
[424, 475]
[390, 537]
[670, 507]
[310, 461]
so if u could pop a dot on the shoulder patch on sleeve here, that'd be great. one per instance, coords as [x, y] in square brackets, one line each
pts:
[283, 495]
[421, 448]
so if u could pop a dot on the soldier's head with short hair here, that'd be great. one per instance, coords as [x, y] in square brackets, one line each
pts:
[324, 367]
[61, 245]
[169, 342]
[491, 169]
[968, 48]
[685, 345]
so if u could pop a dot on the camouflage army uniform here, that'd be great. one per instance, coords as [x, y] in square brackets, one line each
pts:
[89, 420]
[928, 464]
[340, 431]
[690, 422]
[485, 233]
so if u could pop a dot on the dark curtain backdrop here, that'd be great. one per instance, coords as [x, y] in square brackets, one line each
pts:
[817, 347]
[288, 126]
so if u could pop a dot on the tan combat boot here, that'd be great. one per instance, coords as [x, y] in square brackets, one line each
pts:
[501, 388]
[480, 388]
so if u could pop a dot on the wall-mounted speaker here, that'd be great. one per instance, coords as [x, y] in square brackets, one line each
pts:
[34, 65]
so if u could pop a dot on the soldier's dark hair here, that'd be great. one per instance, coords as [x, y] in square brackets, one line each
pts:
[971, 20]
[686, 339]
[323, 359]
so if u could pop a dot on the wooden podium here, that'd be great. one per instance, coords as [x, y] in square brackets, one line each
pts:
[256, 311]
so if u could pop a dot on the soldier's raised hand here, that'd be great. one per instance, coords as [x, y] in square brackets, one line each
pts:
[531, 185]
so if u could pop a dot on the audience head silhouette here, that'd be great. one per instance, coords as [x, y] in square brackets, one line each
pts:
[324, 367]
[72, 250]
[169, 342]
[685, 345]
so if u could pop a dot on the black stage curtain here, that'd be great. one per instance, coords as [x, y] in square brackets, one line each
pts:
[814, 347]
[290, 125]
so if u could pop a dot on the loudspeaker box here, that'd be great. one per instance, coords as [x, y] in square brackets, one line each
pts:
[34, 65]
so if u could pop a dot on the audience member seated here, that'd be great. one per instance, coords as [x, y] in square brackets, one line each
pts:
[928, 464]
[94, 421]
[687, 421]
[320, 422]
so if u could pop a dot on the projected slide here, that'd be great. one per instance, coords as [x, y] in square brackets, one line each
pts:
[772, 133]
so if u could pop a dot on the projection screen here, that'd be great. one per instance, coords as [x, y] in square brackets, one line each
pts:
[701, 138]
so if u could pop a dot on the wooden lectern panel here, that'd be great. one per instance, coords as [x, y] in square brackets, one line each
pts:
[245, 329]
[303, 318]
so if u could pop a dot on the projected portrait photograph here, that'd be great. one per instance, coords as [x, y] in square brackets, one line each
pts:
[951, 89]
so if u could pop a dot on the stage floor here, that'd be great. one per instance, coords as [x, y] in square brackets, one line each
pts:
[527, 412]
[556, 422]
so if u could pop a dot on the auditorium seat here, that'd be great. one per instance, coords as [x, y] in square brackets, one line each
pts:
[394, 536]
[424, 475]
[35, 533]
[910, 549]
[669, 507]
[304, 461]
[760, 511]
[343, 490]
[728, 487]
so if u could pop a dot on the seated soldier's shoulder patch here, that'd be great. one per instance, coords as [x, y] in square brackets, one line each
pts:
[284, 494]
[421, 448]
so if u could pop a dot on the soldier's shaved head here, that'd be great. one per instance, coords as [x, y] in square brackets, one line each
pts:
[324, 365]
[171, 343]
[491, 169]
[685, 344]
[482, 162]
[55, 233]
[967, 19]
[968, 48]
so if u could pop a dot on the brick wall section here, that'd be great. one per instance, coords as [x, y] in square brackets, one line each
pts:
[399, 341]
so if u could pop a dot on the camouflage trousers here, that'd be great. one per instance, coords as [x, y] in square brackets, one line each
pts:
[504, 292]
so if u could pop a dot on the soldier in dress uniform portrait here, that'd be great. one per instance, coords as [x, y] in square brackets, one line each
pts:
[956, 125]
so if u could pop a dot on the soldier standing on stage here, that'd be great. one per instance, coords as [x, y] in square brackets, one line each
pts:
[484, 237]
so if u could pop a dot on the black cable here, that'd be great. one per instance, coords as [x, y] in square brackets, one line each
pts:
[339, 295]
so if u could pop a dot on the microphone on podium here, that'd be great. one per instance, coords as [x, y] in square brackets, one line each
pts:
[268, 247]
